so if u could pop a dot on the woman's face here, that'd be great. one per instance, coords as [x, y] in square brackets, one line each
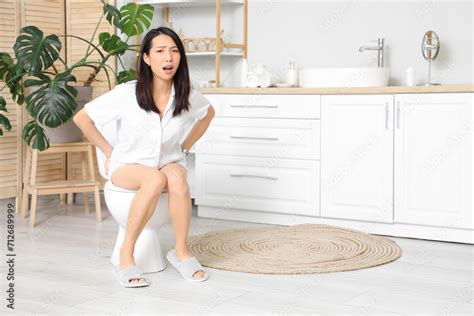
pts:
[164, 57]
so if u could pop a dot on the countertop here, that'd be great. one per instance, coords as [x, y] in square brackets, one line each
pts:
[354, 90]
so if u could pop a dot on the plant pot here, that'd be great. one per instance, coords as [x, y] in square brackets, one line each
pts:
[69, 132]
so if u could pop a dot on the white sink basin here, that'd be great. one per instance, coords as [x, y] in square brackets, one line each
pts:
[343, 77]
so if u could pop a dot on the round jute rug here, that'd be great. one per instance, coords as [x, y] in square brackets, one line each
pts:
[298, 249]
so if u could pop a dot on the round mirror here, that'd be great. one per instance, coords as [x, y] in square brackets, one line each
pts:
[430, 45]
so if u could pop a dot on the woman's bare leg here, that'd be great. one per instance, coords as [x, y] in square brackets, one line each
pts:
[149, 183]
[180, 208]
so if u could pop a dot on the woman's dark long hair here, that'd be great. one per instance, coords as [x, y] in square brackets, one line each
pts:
[182, 83]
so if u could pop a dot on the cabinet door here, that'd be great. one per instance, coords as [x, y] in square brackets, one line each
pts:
[357, 157]
[288, 186]
[433, 159]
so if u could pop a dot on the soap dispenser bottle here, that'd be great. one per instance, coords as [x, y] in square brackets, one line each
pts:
[292, 75]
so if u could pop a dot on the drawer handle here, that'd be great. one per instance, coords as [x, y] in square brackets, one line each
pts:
[253, 106]
[254, 137]
[252, 176]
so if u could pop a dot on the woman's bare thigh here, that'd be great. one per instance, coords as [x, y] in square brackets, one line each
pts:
[132, 176]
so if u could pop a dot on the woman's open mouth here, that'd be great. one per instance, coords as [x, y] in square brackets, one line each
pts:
[168, 69]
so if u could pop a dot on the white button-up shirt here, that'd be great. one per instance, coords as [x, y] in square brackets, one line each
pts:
[143, 137]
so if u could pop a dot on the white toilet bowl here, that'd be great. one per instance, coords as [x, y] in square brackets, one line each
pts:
[148, 253]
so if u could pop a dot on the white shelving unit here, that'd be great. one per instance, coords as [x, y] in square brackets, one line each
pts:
[167, 4]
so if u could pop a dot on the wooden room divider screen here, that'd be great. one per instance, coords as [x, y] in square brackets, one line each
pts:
[60, 17]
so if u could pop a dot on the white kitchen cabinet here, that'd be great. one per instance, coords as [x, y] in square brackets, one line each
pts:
[433, 159]
[261, 153]
[262, 137]
[389, 164]
[357, 157]
[287, 186]
[266, 106]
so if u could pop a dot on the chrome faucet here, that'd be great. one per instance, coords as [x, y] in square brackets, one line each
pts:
[379, 48]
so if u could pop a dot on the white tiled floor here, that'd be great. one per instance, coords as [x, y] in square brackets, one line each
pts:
[62, 267]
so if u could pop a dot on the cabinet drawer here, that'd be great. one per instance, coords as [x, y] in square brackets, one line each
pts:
[269, 106]
[278, 138]
[272, 185]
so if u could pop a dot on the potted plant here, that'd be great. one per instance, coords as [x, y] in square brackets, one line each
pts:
[49, 97]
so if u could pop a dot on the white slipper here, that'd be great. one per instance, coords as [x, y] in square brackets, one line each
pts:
[127, 275]
[187, 267]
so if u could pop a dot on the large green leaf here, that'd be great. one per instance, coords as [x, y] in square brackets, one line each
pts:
[54, 102]
[34, 51]
[5, 123]
[3, 119]
[111, 43]
[135, 18]
[112, 14]
[34, 136]
[11, 74]
[6, 64]
[14, 83]
[126, 75]
[3, 104]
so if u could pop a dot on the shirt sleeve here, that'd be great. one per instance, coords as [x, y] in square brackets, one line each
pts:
[107, 107]
[199, 104]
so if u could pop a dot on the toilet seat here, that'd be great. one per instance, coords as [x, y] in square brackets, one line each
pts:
[112, 187]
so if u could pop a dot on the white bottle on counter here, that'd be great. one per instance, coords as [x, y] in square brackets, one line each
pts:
[410, 73]
[292, 75]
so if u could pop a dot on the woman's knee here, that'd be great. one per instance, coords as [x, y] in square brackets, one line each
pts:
[177, 180]
[155, 181]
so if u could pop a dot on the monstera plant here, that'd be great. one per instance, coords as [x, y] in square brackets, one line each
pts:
[51, 100]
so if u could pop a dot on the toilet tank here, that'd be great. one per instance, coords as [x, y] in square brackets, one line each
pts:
[110, 133]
